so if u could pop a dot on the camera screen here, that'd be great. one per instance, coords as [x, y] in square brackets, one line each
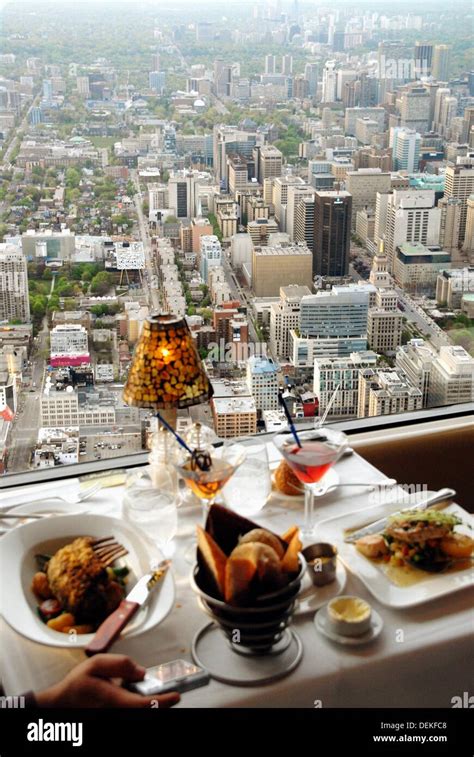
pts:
[174, 669]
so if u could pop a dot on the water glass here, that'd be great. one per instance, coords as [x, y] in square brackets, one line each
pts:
[152, 509]
[250, 487]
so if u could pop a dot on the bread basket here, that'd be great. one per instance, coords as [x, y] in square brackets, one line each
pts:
[255, 629]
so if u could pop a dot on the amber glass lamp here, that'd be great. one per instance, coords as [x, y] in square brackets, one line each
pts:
[166, 371]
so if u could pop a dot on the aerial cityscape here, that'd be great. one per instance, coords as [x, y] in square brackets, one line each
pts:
[295, 178]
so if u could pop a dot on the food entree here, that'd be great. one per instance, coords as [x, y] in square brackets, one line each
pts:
[421, 539]
[76, 592]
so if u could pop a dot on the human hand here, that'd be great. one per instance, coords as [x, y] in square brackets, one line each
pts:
[92, 684]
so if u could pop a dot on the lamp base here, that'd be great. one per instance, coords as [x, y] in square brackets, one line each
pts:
[170, 416]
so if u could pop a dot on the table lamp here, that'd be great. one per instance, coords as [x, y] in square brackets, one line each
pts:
[166, 372]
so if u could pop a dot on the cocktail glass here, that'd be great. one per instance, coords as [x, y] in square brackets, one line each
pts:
[320, 449]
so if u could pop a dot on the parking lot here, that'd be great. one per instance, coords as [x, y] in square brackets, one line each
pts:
[105, 445]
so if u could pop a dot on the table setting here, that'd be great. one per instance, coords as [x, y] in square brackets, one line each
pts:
[289, 569]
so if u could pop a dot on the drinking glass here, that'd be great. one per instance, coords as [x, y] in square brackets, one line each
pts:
[320, 449]
[207, 484]
[249, 488]
[152, 509]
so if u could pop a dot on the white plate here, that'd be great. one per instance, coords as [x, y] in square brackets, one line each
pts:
[312, 597]
[37, 508]
[323, 626]
[18, 547]
[330, 478]
[431, 586]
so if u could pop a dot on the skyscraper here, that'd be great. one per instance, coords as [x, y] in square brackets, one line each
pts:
[405, 144]
[332, 229]
[270, 64]
[287, 65]
[14, 301]
[311, 75]
[423, 59]
[329, 82]
[441, 62]
[157, 80]
[47, 90]
[459, 183]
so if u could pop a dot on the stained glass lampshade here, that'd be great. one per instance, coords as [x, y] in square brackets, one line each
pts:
[166, 370]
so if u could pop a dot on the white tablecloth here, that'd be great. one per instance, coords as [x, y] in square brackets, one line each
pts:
[430, 666]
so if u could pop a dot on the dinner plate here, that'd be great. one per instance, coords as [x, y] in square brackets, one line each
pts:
[323, 626]
[311, 597]
[424, 587]
[330, 478]
[38, 508]
[18, 605]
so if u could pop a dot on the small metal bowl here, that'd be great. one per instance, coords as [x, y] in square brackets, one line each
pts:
[322, 561]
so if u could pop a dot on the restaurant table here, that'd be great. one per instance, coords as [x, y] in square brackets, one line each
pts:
[421, 659]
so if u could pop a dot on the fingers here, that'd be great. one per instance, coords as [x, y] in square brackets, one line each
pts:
[115, 666]
[124, 698]
[162, 700]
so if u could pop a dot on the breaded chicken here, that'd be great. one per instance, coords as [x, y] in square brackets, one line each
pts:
[80, 583]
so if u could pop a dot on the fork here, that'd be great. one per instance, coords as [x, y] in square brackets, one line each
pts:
[377, 484]
[72, 499]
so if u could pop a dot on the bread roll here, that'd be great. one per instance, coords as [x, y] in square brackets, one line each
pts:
[262, 536]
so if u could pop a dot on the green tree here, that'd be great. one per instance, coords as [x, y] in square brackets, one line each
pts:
[101, 283]
[73, 178]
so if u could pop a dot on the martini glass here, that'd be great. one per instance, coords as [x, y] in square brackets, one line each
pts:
[206, 481]
[320, 449]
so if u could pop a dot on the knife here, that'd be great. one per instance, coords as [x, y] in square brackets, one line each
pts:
[378, 526]
[117, 620]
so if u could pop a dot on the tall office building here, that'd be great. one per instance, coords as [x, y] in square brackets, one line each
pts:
[363, 185]
[329, 82]
[210, 254]
[157, 80]
[182, 193]
[341, 373]
[441, 62]
[450, 224]
[459, 183]
[332, 229]
[275, 266]
[285, 316]
[304, 221]
[14, 301]
[332, 324]
[296, 192]
[47, 90]
[405, 144]
[410, 216]
[287, 65]
[262, 380]
[270, 64]
[386, 392]
[311, 71]
[415, 105]
[452, 377]
[415, 360]
[280, 196]
[423, 59]
[468, 244]
[155, 62]
[270, 160]
[231, 139]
